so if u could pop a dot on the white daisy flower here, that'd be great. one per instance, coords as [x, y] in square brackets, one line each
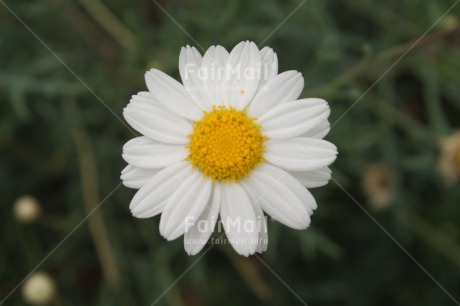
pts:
[233, 141]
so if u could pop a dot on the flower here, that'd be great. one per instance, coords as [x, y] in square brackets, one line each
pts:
[449, 160]
[233, 141]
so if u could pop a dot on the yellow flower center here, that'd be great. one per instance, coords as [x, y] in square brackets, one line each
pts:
[226, 144]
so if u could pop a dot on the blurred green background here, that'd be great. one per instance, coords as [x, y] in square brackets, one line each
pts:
[388, 205]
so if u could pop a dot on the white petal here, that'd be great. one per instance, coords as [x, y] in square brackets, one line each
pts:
[269, 65]
[212, 69]
[172, 95]
[300, 154]
[152, 197]
[261, 222]
[198, 235]
[241, 76]
[134, 177]
[147, 153]
[185, 205]
[238, 219]
[190, 61]
[313, 179]
[320, 131]
[282, 196]
[286, 86]
[294, 118]
[156, 122]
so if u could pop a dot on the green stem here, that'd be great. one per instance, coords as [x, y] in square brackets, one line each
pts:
[406, 122]
[434, 237]
[91, 198]
[109, 22]
[249, 273]
[167, 279]
[362, 66]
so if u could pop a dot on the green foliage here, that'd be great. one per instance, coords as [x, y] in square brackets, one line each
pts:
[344, 259]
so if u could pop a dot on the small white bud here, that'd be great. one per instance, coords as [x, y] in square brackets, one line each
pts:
[26, 209]
[39, 289]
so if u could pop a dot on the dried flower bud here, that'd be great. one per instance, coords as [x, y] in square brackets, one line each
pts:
[449, 161]
[378, 186]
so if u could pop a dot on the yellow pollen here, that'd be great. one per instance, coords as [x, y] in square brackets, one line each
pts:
[226, 144]
[242, 91]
